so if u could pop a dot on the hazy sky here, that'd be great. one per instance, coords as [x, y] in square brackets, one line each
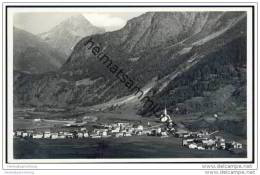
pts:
[38, 22]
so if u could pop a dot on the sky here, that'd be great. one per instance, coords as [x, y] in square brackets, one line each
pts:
[39, 22]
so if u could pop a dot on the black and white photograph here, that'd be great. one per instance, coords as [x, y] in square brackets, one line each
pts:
[137, 84]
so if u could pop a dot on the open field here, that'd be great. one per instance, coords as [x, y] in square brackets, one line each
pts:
[58, 118]
[125, 147]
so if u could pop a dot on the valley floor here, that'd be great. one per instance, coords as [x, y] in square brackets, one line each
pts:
[130, 147]
[123, 147]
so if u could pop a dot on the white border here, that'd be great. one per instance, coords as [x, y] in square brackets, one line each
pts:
[109, 166]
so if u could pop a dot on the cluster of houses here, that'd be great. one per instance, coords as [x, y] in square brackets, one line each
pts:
[194, 140]
[204, 141]
[107, 130]
[45, 134]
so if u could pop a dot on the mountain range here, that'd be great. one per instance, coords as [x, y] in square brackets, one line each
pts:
[66, 34]
[31, 54]
[48, 51]
[193, 62]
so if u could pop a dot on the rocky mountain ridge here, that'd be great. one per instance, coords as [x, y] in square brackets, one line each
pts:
[65, 35]
[193, 59]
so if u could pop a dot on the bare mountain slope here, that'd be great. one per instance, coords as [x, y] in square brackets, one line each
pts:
[65, 35]
[33, 55]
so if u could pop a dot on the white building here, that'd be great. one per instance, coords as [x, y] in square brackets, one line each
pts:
[220, 143]
[54, 135]
[159, 130]
[83, 129]
[104, 133]
[25, 134]
[122, 124]
[209, 142]
[95, 136]
[80, 135]
[19, 133]
[185, 142]
[186, 135]
[148, 132]
[130, 130]
[115, 130]
[236, 145]
[201, 148]
[140, 128]
[120, 134]
[68, 135]
[193, 146]
[139, 133]
[30, 133]
[85, 134]
[96, 131]
[47, 134]
[127, 134]
[164, 134]
[180, 134]
[37, 136]
[61, 136]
